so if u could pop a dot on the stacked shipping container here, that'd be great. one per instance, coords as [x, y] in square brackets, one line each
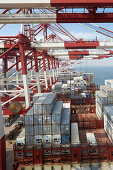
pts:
[47, 122]
[108, 121]
[104, 97]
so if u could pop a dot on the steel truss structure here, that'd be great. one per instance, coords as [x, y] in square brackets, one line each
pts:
[33, 65]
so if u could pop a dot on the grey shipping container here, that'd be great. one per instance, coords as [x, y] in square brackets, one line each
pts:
[56, 129]
[46, 130]
[47, 119]
[29, 117]
[29, 140]
[56, 114]
[29, 130]
[37, 119]
[49, 103]
[65, 119]
[38, 130]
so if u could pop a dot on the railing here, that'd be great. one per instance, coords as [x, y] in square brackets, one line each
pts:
[71, 154]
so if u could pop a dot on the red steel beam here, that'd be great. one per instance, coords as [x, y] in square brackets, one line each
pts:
[82, 3]
[84, 18]
[81, 45]
[6, 52]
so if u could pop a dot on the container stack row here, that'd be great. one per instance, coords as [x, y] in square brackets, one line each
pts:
[108, 121]
[89, 77]
[104, 97]
[72, 86]
[47, 122]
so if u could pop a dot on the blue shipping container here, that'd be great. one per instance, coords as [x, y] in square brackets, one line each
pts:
[65, 139]
[87, 95]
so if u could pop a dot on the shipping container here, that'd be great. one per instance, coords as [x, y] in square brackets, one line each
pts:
[47, 139]
[106, 90]
[56, 140]
[49, 103]
[47, 130]
[38, 105]
[37, 119]
[20, 140]
[38, 129]
[29, 117]
[56, 114]
[36, 96]
[38, 139]
[29, 140]
[56, 129]
[109, 83]
[29, 130]
[65, 139]
[91, 139]
[74, 134]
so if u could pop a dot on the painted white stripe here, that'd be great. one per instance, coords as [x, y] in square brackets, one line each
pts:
[45, 75]
[53, 75]
[27, 18]
[17, 78]
[58, 53]
[98, 52]
[106, 44]
[63, 57]
[1, 123]
[50, 77]
[90, 58]
[1, 45]
[49, 45]
[26, 91]
[6, 4]
[38, 82]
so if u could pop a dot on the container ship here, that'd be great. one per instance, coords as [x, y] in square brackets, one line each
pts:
[64, 129]
[55, 117]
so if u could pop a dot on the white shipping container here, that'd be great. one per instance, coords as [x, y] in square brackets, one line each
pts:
[47, 139]
[20, 140]
[106, 90]
[66, 105]
[56, 140]
[101, 98]
[99, 111]
[91, 138]
[38, 140]
[74, 134]
[109, 83]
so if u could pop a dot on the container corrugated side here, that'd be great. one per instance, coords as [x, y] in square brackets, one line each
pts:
[74, 134]
[65, 139]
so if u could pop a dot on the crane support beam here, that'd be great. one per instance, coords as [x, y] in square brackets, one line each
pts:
[55, 3]
[73, 45]
[84, 52]
[56, 18]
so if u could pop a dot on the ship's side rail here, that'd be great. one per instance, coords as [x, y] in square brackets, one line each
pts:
[88, 124]
[70, 154]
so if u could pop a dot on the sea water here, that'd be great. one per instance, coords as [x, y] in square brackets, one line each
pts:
[101, 72]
